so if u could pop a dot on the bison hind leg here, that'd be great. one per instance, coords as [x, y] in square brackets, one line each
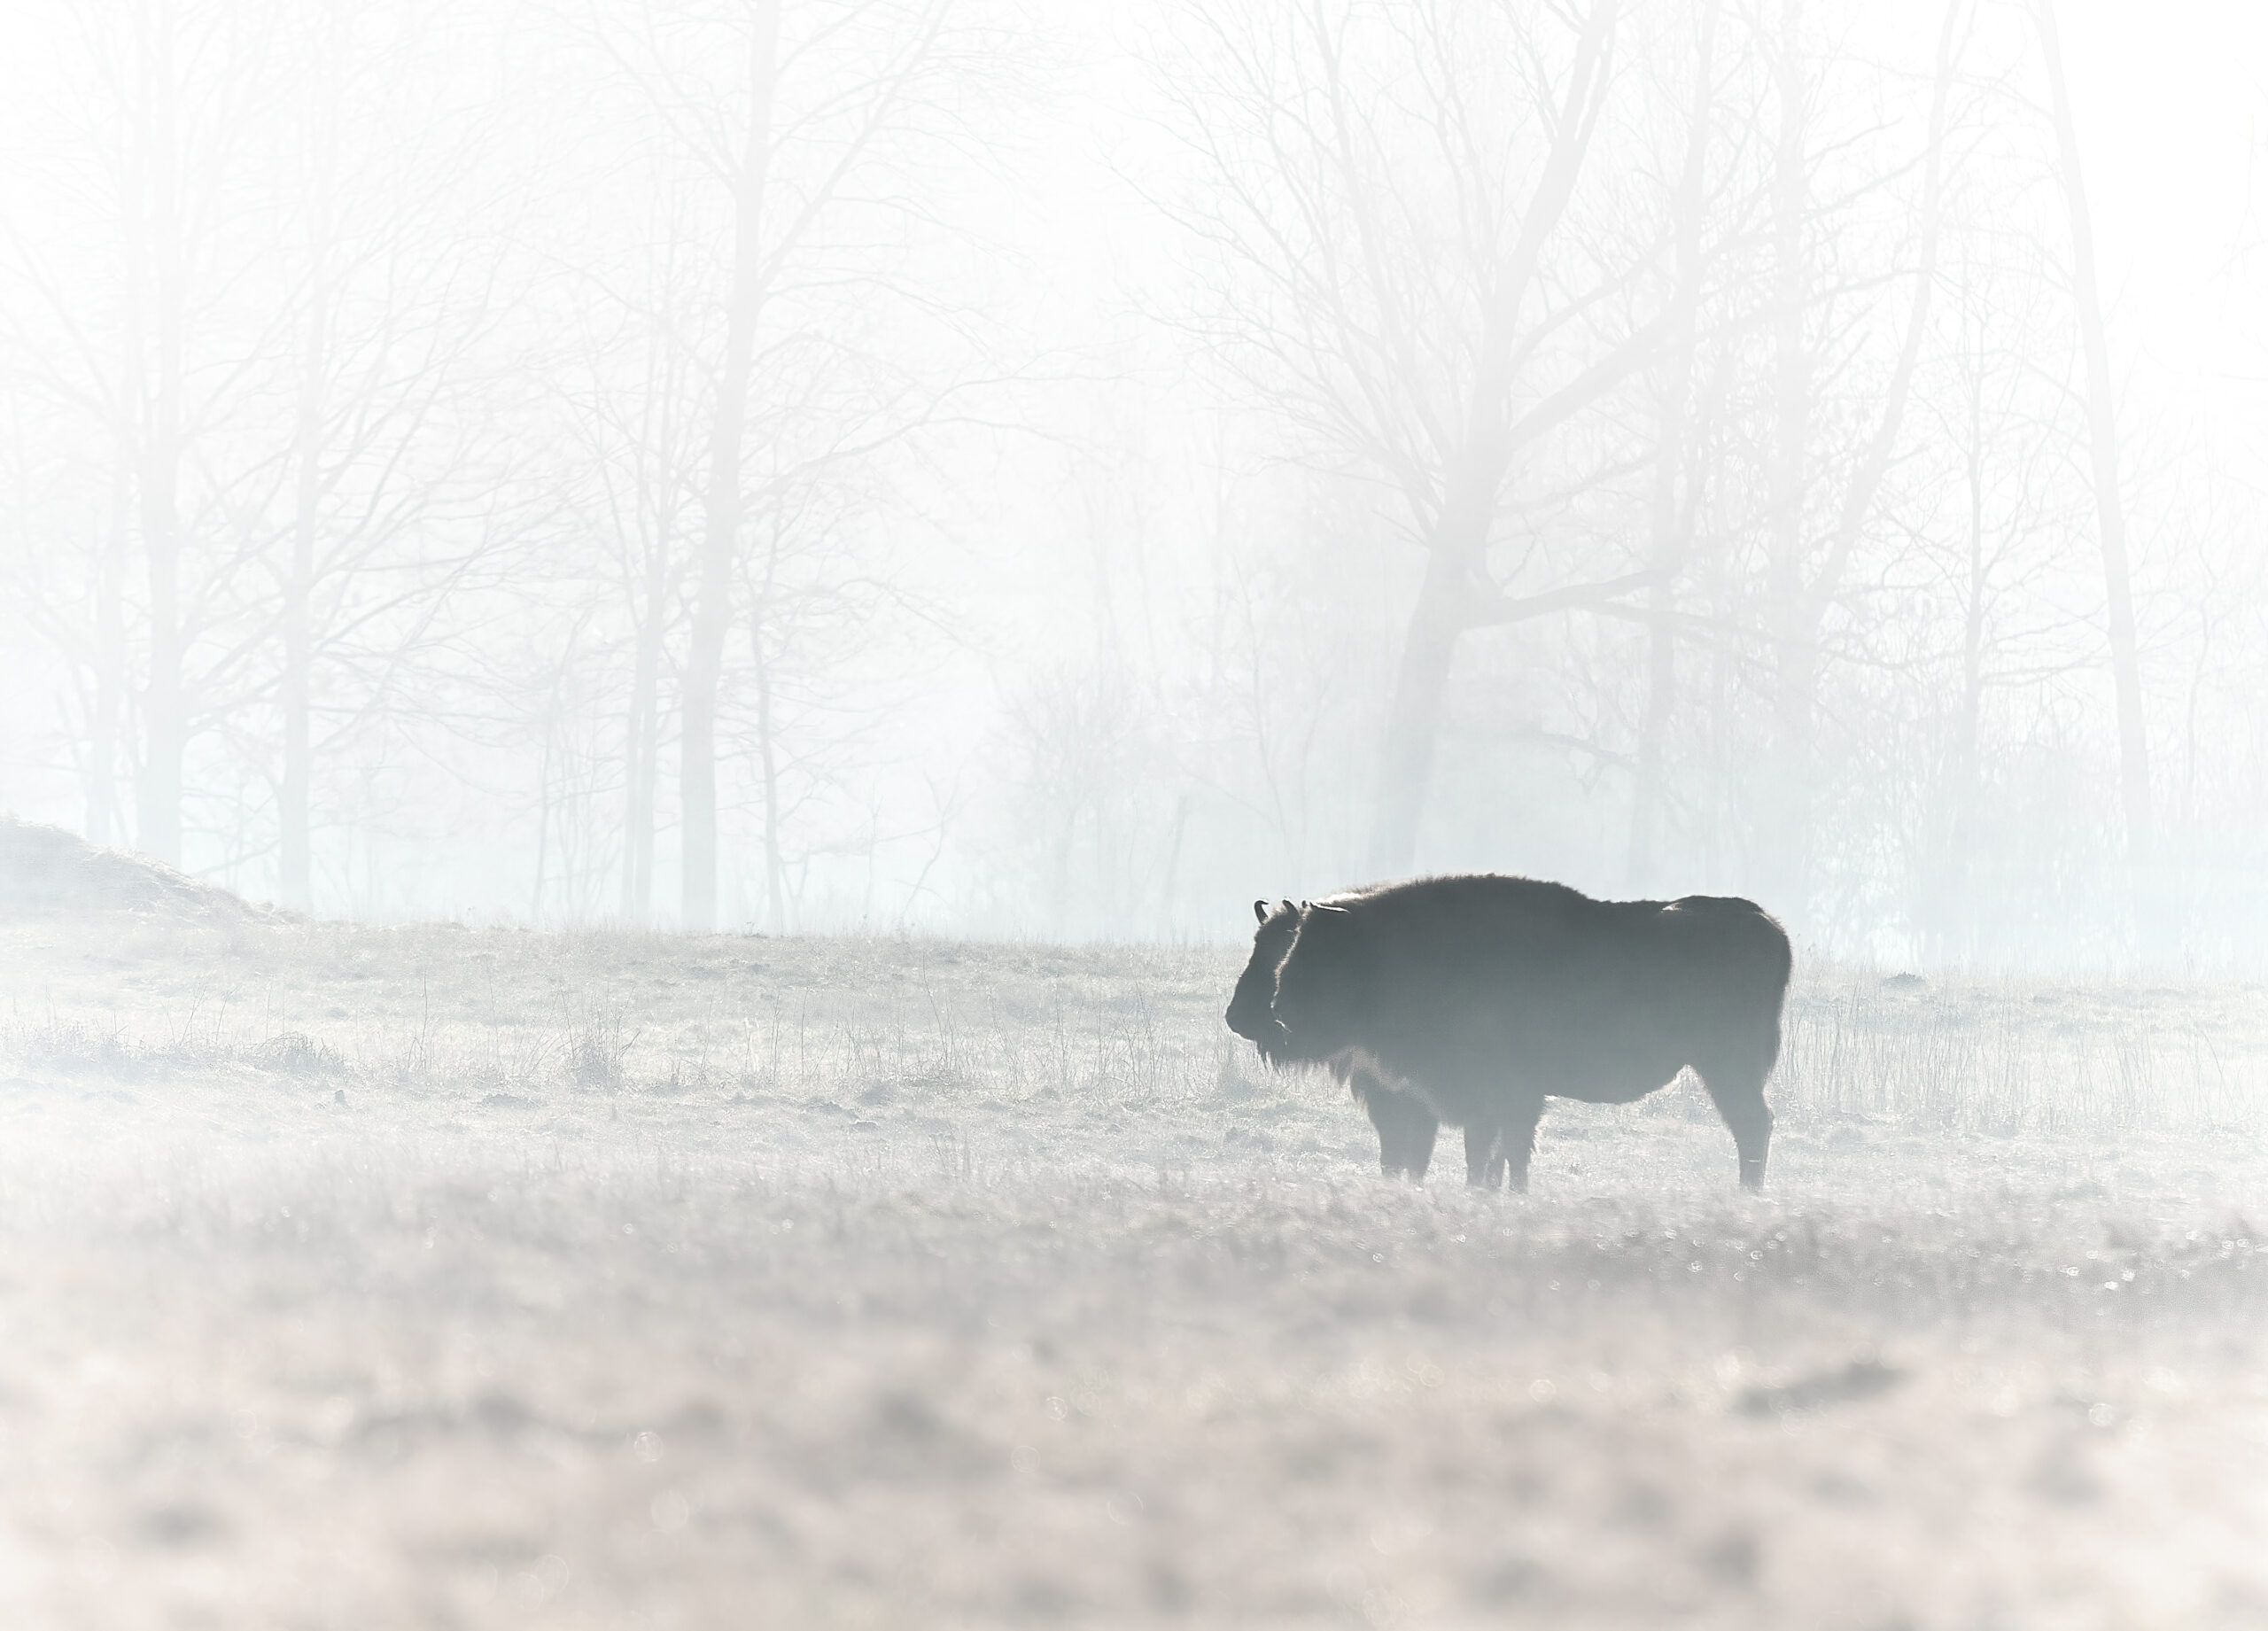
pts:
[1515, 1140]
[1406, 1127]
[1736, 1087]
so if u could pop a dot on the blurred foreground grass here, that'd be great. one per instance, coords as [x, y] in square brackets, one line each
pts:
[369, 1277]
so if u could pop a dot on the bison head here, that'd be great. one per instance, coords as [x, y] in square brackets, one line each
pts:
[1323, 984]
[1252, 1010]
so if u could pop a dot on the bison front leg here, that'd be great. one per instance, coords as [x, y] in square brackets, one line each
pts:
[1406, 1127]
[1484, 1154]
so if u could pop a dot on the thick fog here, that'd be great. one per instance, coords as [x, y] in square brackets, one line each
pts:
[1066, 471]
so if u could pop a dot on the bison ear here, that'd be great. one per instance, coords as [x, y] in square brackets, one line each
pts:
[1260, 910]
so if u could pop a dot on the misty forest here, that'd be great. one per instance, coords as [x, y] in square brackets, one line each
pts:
[656, 651]
[933, 466]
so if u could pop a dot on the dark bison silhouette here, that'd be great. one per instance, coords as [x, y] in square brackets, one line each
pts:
[1469, 1000]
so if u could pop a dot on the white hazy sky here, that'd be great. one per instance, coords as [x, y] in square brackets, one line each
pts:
[2171, 100]
[2169, 95]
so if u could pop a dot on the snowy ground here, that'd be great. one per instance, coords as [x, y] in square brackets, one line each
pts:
[366, 1277]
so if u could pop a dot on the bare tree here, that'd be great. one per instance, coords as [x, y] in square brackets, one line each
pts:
[158, 349]
[746, 174]
[269, 360]
[817, 596]
[155, 273]
[631, 385]
[1671, 512]
[390, 301]
[1806, 568]
[2103, 451]
[1403, 285]
[1985, 623]
[795, 123]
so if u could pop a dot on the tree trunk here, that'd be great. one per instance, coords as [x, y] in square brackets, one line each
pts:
[1668, 523]
[1473, 484]
[165, 704]
[712, 607]
[1947, 914]
[543, 817]
[101, 778]
[1967, 792]
[657, 518]
[767, 747]
[2110, 514]
[1786, 822]
[1801, 604]
[643, 727]
[294, 794]
[1414, 719]
[296, 881]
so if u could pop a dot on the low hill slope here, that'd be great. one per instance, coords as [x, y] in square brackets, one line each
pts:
[45, 872]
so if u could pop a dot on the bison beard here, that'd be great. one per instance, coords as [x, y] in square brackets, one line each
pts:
[1470, 999]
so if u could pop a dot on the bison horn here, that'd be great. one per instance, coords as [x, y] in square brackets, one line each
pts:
[1260, 910]
[1287, 905]
[1327, 908]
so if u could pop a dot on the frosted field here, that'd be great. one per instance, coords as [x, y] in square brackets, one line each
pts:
[366, 1277]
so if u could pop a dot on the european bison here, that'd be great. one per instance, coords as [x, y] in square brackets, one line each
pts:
[1470, 999]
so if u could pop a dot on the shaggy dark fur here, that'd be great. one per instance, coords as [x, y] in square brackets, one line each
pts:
[1407, 1126]
[1469, 1000]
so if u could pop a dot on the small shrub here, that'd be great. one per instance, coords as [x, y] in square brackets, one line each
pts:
[595, 1049]
[80, 1050]
[296, 1053]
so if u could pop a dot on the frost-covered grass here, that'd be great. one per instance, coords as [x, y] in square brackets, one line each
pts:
[368, 1278]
